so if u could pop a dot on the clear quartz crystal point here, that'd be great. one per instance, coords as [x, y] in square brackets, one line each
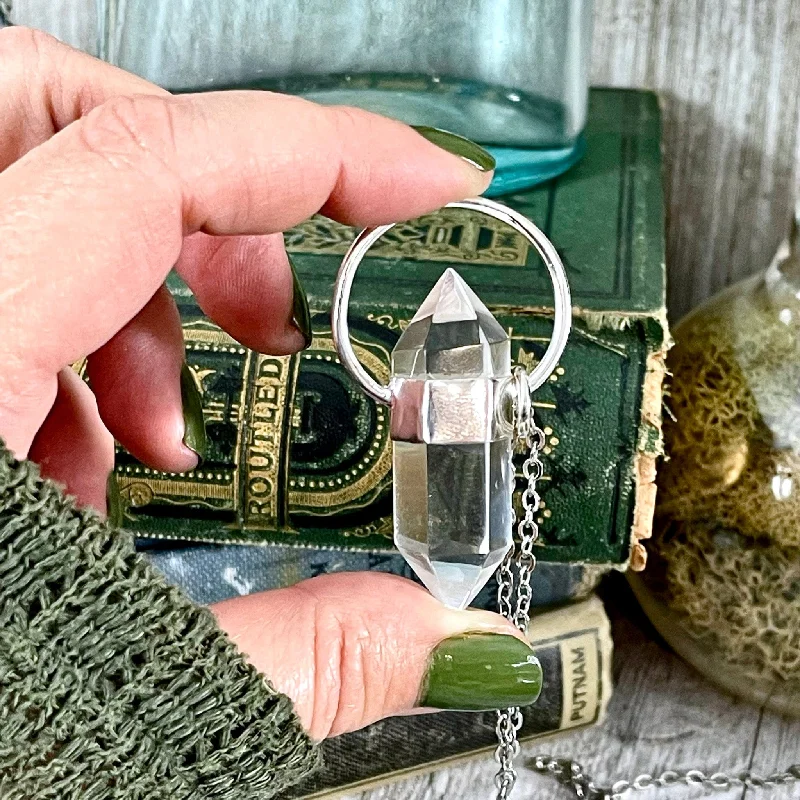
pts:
[453, 475]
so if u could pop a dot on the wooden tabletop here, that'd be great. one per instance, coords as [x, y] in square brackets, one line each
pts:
[663, 715]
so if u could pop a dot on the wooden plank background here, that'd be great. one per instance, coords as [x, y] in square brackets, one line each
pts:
[729, 75]
[728, 72]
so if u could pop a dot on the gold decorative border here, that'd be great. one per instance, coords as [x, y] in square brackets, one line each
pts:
[139, 491]
[449, 234]
[315, 503]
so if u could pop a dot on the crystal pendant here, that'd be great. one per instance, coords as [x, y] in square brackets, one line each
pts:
[453, 475]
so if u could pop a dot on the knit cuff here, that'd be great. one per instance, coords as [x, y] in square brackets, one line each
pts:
[112, 683]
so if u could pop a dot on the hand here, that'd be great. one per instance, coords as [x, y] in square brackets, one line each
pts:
[106, 183]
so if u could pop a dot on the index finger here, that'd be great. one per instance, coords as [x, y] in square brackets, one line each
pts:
[46, 85]
[123, 186]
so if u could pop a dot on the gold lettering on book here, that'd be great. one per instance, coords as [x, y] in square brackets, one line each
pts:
[578, 666]
[450, 234]
[262, 503]
[581, 672]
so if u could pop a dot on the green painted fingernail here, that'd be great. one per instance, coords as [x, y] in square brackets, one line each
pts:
[481, 671]
[194, 431]
[114, 511]
[458, 146]
[301, 316]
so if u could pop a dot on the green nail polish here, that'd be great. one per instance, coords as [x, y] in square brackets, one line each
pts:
[481, 671]
[194, 432]
[301, 316]
[114, 510]
[458, 146]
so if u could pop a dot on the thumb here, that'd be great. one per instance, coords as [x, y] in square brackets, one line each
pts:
[352, 648]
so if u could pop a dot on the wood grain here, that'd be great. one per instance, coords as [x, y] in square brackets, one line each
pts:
[776, 746]
[728, 72]
[72, 21]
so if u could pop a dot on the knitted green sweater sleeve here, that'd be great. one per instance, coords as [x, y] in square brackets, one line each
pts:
[112, 683]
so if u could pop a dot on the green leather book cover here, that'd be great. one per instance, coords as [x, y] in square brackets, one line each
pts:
[298, 455]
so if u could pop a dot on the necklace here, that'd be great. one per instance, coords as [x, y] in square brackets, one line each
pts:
[458, 412]
[514, 596]
[571, 774]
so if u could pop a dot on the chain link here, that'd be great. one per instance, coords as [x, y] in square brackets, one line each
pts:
[514, 600]
[514, 595]
[571, 774]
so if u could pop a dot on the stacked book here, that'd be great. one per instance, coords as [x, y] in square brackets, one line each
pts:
[297, 479]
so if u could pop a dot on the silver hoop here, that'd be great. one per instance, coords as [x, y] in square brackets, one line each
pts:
[522, 225]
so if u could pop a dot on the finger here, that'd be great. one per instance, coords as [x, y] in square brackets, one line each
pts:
[350, 649]
[247, 286]
[129, 180]
[73, 447]
[45, 85]
[136, 378]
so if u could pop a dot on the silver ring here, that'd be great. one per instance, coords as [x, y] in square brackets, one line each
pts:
[522, 225]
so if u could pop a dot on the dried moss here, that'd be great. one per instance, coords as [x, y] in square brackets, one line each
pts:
[725, 556]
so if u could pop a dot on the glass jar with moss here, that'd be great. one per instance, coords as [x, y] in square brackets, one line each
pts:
[722, 584]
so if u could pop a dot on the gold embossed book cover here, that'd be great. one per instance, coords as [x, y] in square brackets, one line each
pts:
[299, 456]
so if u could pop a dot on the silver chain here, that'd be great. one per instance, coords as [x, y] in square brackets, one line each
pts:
[572, 775]
[514, 596]
[514, 601]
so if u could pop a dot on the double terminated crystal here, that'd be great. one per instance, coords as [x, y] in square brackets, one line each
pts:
[453, 476]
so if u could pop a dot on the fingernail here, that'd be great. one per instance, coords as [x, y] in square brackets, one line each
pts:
[114, 512]
[459, 146]
[481, 671]
[194, 430]
[301, 316]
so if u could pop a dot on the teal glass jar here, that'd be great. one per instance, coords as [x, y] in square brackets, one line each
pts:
[502, 72]
[509, 74]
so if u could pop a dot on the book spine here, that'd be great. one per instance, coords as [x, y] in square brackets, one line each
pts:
[574, 646]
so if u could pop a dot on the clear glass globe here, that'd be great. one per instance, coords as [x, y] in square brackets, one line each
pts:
[722, 584]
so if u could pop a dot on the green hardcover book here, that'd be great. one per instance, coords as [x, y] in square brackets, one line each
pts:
[299, 456]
